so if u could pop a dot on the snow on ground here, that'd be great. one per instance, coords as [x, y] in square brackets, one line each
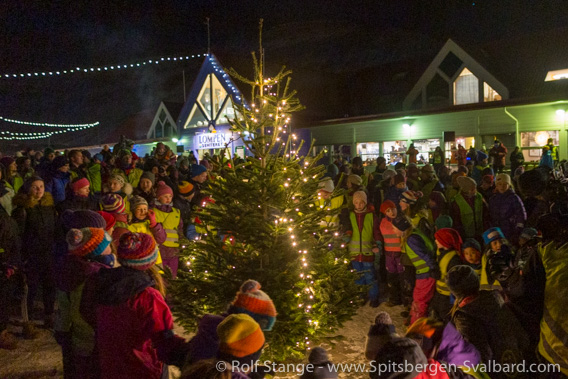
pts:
[41, 358]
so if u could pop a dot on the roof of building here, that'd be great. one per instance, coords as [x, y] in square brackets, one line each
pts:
[133, 127]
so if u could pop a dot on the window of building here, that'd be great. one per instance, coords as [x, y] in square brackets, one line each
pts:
[532, 143]
[556, 75]
[368, 151]
[489, 94]
[425, 148]
[211, 105]
[466, 88]
[394, 151]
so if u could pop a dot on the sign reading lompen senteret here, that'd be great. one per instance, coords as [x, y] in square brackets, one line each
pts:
[211, 140]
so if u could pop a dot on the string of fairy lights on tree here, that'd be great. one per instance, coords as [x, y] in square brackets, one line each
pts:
[11, 136]
[96, 69]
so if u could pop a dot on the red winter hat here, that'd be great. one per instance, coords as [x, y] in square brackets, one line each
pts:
[449, 238]
[110, 220]
[387, 204]
[163, 189]
[81, 183]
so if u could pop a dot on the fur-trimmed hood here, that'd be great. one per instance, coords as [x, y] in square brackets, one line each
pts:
[23, 200]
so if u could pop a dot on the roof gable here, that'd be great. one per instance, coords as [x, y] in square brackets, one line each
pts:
[434, 70]
[211, 78]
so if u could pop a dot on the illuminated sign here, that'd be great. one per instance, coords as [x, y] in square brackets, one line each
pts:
[211, 140]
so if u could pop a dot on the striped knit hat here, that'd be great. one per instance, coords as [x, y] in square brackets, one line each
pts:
[256, 303]
[137, 250]
[240, 338]
[186, 188]
[113, 203]
[87, 242]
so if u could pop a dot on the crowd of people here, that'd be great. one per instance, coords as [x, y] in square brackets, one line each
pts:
[479, 268]
[469, 249]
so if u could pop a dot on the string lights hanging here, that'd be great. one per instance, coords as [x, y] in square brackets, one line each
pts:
[76, 70]
[9, 135]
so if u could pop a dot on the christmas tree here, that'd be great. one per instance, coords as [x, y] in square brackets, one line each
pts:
[265, 223]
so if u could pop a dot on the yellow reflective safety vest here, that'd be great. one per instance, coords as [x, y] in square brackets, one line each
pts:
[361, 243]
[419, 263]
[472, 219]
[330, 205]
[553, 344]
[484, 280]
[144, 227]
[441, 286]
[170, 222]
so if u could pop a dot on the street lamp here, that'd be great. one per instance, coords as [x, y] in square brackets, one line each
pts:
[409, 128]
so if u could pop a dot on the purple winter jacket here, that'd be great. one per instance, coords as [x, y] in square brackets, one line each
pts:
[454, 349]
[508, 213]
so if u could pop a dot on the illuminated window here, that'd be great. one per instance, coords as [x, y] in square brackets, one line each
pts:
[489, 94]
[556, 75]
[394, 151]
[368, 150]
[208, 106]
[532, 143]
[466, 88]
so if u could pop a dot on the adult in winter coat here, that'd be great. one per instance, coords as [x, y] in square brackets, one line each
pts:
[127, 169]
[428, 184]
[36, 217]
[11, 176]
[198, 177]
[506, 209]
[250, 300]
[517, 159]
[134, 326]
[9, 262]
[498, 153]
[58, 178]
[523, 278]
[89, 251]
[484, 320]
[553, 251]
[421, 252]
[449, 244]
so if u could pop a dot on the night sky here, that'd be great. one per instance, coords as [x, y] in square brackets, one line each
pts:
[303, 35]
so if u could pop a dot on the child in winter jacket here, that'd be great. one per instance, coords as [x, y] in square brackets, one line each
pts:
[365, 244]
[250, 300]
[494, 240]
[393, 255]
[172, 223]
[471, 254]
[79, 197]
[182, 201]
[421, 252]
[89, 251]
[134, 325]
[143, 220]
[117, 184]
[449, 244]
[113, 203]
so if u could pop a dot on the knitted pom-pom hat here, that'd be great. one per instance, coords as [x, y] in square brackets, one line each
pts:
[163, 189]
[137, 250]
[186, 188]
[240, 338]
[87, 242]
[81, 218]
[256, 303]
[113, 203]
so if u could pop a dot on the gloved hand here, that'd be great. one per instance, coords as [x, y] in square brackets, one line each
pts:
[152, 217]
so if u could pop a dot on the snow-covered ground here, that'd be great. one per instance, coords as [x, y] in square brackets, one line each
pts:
[41, 358]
